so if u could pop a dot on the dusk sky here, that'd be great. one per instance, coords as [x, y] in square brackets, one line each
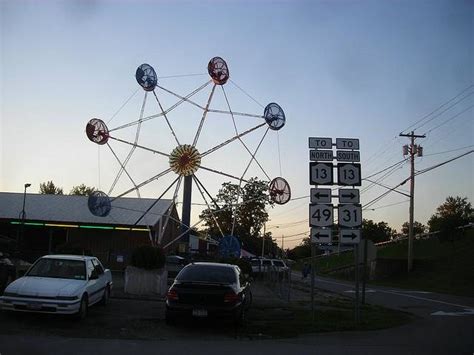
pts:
[361, 69]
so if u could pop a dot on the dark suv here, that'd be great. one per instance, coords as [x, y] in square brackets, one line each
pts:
[204, 290]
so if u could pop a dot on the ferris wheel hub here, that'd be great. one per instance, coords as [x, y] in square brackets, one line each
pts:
[185, 160]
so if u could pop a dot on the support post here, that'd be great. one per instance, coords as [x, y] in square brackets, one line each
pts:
[313, 252]
[356, 271]
[364, 271]
[186, 211]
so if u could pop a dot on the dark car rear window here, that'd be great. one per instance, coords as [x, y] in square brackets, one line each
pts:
[207, 273]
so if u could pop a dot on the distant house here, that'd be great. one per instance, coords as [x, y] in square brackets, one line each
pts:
[51, 221]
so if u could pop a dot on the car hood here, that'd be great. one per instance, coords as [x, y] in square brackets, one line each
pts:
[45, 286]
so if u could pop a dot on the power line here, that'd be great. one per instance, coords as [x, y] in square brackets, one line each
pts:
[385, 206]
[381, 171]
[443, 163]
[450, 151]
[449, 119]
[440, 107]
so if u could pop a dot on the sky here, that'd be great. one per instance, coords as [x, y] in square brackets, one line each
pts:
[359, 69]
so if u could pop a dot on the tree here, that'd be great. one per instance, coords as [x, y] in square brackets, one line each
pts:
[377, 232]
[418, 228]
[48, 188]
[453, 213]
[250, 215]
[82, 190]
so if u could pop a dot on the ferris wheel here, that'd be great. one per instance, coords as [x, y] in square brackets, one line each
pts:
[185, 159]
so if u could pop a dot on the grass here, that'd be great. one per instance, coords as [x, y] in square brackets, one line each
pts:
[329, 317]
[445, 267]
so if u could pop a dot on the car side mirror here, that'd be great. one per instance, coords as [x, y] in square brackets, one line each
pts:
[94, 275]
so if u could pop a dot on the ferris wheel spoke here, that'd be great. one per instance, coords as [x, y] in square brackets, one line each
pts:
[222, 173]
[168, 213]
[156, 201]
[140, 146]
[146, 182]
[123, 105]
[236, 113]
[253, 158]
[243, 143]
[232, 139]
[166, 119]
[208, 206]
[189, 228]
[122, 166]
[198, 133]
[122, 169]
[207, 192]
[185, 98]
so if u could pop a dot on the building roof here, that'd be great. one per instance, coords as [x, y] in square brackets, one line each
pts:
[74, 209]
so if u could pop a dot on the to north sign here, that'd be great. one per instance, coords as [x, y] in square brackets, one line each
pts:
[320, 143]
[321, 155]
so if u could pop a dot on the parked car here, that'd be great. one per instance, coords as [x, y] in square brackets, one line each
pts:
[7, 270]
[266, 265]
[63, 284]
[279, 265]
[260, 265]
[208, 290]
[174, 264]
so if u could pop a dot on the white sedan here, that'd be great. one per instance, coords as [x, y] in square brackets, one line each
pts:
[63, 284]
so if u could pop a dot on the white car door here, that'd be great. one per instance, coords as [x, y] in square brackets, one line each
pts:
[93, 286]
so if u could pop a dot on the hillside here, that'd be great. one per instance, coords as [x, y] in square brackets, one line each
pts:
[446, 267]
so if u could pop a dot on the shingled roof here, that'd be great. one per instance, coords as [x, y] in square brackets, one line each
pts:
[73, 209]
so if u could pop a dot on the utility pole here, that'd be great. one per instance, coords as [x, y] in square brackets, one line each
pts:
[412, 149]
[282, 245]
[263, 238]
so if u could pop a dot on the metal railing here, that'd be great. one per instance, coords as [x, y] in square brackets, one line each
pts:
[278, 280]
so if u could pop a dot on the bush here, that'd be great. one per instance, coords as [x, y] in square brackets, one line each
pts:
[148, 257]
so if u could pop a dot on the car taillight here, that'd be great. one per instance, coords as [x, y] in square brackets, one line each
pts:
[172, 295]
[231, 297]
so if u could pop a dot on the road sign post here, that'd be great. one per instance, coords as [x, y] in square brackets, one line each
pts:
[321, 209]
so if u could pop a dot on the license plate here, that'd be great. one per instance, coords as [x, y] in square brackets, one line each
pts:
[199, 312]
[34, 306]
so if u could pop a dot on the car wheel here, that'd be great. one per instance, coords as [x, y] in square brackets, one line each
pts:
[169, 319]
[239, 317]
[82, 313]
[106, 296]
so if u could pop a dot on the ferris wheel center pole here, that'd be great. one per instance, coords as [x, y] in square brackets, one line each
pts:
[186, 211]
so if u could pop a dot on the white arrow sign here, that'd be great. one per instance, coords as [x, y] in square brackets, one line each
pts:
[320, 195]
[350, 236]
[319, 235]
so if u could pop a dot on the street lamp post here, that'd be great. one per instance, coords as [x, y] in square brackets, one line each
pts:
[23, 215]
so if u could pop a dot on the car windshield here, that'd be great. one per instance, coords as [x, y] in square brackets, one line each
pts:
[59, 268]
[278, 263]
[207, 273]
